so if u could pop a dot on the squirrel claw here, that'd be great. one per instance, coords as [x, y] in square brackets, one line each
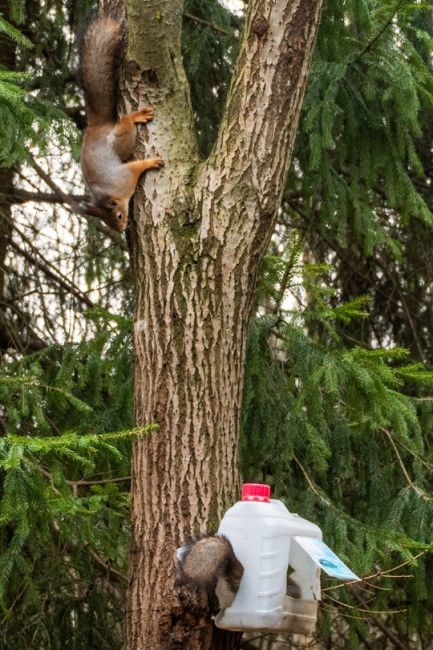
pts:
[158, 163]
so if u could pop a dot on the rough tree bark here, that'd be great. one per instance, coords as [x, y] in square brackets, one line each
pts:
[198, 234]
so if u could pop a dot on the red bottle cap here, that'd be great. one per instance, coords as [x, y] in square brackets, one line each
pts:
[256, 492]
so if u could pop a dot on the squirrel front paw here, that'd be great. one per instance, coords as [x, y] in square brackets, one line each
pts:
[144, 115]
[156, 163]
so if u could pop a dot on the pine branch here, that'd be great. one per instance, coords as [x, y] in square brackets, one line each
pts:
[286, 276]
[409, 481]
[106, 568]
[390, 275]
[380, 32]
[350, 263]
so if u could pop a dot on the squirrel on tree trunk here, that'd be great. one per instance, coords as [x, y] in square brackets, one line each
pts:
[107, 143]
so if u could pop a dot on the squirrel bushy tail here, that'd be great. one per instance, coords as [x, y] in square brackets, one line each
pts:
[209, 564]
[100, 50]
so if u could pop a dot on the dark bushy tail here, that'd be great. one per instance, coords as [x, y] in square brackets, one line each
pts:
[100, 53]
[210, 565]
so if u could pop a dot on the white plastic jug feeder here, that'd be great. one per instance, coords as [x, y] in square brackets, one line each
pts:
[268, 539]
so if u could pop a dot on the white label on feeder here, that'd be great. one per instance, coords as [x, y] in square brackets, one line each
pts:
[325, 558]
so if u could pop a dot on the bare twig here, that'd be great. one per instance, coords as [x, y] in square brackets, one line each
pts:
[365, 608]
[313, 488]
[202, 21]
[386, 573]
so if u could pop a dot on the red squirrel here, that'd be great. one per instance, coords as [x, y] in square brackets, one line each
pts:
[107, 143]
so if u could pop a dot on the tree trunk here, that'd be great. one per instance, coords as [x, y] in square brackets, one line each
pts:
[199, 232]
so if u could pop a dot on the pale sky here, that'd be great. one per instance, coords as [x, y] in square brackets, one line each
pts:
[234, 5]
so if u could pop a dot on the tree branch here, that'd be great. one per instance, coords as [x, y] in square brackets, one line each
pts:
[20, 196]
[39, 261]
[155, 76]
[52, 275]
[257, 135]
[112, 572]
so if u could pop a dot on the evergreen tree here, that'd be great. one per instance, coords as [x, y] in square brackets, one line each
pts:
[336, 412]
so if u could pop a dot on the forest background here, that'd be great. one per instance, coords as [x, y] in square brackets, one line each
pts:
[337, 410]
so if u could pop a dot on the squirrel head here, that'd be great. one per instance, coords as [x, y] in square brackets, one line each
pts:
[111, 210]
[114, 212]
